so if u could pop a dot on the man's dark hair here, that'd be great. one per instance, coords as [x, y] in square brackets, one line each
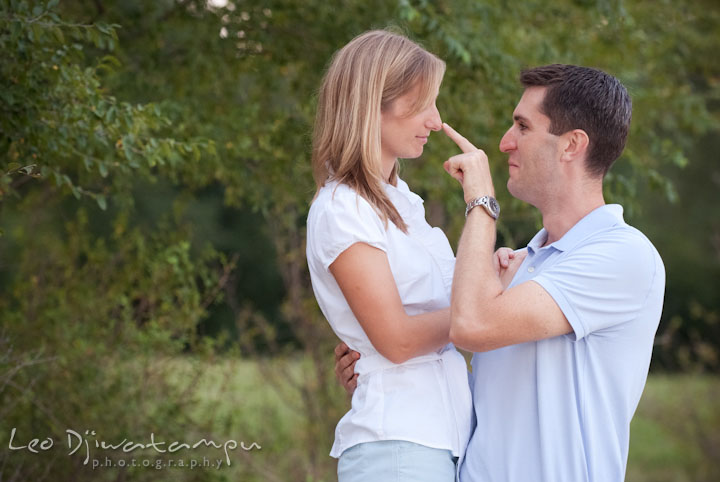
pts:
[587, 99]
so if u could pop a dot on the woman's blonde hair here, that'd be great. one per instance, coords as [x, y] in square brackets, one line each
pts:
[363, 79]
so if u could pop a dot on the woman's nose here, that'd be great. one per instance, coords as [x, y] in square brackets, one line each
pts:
[434, 122]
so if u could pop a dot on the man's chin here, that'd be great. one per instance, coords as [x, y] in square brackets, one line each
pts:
[516, 192]
[512, 188]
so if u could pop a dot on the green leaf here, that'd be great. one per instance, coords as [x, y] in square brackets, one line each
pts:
[101, 202]
[58, 35]
[127, 149]
[111, 59]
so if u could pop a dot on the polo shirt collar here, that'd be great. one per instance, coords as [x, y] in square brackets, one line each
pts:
[600, 218]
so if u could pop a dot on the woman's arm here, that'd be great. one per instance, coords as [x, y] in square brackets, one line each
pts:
[506, 262]
[364, 276]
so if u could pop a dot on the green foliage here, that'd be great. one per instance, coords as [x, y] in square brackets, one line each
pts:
[58, 123]
[674, 436]
[86, 291]
[80, 343]
[690, 235]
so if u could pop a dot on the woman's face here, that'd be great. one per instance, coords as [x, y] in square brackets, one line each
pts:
[403, 135]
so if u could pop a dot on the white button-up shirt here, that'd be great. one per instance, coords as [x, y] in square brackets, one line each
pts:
[425, 400]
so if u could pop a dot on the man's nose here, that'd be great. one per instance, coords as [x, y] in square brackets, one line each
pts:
[507, 143]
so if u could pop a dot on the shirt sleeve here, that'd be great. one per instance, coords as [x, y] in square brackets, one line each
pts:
[346, 219]
[602, 284]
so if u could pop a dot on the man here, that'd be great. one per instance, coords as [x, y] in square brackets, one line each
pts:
[562, 354]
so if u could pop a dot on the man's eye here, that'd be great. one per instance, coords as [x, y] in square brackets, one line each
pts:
[522, 126]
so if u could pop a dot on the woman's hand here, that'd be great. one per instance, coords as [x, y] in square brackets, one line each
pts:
[502, 259]
[507, 262]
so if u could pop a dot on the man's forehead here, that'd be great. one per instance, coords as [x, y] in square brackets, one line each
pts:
[529, 105]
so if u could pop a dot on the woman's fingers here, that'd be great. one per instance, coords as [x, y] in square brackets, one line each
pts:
[503, 256]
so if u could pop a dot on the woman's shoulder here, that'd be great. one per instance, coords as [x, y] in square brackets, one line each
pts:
[338, 218]
[334, 196]
[336, 190]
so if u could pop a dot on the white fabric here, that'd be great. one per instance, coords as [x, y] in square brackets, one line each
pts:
[425, 400]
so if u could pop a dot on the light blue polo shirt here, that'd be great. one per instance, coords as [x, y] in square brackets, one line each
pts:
[559, 410]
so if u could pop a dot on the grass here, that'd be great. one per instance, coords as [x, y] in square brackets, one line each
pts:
[263, 403]
[675, 434]
[279, 404]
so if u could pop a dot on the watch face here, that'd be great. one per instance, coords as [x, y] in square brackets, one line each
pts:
[494, 206]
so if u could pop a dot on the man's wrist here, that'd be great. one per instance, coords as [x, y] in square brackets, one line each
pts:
[472, 194]
[488, 203]
[470, 197]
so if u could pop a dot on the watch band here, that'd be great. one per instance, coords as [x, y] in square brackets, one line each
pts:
[488, 202]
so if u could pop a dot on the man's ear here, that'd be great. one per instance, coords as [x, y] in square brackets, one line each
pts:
[576, 145]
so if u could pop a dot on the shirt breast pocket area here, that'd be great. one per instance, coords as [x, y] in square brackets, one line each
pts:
[417, 275]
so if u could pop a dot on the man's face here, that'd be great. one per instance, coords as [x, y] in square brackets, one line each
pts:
[533, 152]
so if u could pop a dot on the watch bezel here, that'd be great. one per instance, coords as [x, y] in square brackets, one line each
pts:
[494, 206]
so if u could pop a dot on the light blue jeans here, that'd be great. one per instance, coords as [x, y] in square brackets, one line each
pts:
[395, 461]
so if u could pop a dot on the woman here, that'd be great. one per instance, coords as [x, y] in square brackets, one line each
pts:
[380, 273]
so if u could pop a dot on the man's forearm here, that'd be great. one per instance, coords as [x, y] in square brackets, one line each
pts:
[475, 283]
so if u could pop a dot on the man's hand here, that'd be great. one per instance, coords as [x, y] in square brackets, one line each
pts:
[471, 168]
[345, 359]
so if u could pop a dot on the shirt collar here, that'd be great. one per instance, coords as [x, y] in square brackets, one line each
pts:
[600, 218]
[401, 195]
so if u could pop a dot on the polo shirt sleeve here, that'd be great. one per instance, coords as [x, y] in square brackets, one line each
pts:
[346, 219]
[602, 284]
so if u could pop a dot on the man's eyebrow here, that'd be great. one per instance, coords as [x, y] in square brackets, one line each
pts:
[519, 118]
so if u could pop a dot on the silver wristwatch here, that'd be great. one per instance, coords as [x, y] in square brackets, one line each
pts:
[488, 202]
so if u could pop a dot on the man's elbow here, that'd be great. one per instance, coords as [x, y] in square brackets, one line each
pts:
[469, 333]
[458, 332]
[458, 325]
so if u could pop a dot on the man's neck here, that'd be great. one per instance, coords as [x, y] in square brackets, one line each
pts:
[564, 212]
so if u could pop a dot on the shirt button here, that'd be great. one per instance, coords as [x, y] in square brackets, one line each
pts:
[531, 269]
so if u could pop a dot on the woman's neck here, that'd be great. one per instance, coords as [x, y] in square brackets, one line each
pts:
[388, 166]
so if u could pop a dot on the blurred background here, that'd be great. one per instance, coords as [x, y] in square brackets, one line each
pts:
[154, 185]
